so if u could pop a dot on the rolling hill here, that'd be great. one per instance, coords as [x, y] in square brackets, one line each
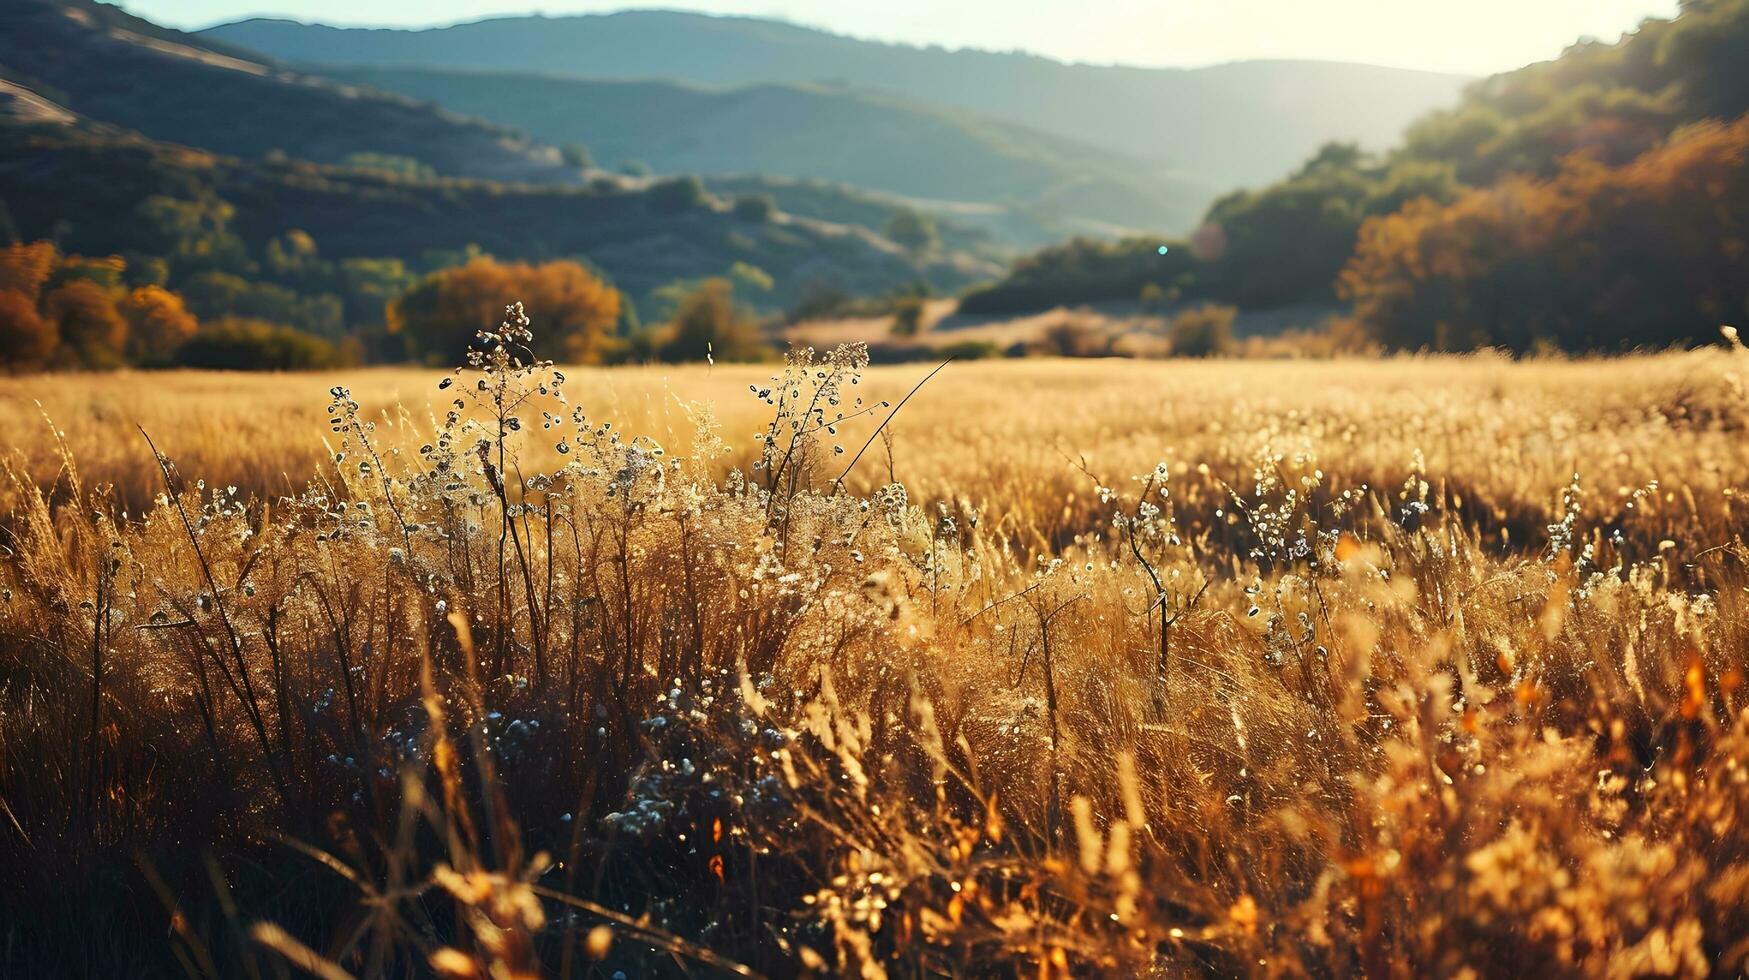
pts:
[99, 62]
[1225, 126]
[807, 130]
[73, 179]
[101, 112]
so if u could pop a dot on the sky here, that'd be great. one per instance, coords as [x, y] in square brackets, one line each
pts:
[1466, 36]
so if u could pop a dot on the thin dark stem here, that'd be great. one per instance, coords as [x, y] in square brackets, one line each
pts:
[838, 484]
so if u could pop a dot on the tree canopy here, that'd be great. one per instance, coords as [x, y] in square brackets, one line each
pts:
[442, 314]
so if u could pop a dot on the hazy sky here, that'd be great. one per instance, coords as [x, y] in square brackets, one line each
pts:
[1474, 36]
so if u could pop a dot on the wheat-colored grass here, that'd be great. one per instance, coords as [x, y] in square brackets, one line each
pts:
[1403, 667]
[1005, 435]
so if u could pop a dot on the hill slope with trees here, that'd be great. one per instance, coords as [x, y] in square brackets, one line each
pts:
[324, 250]
[1597, 200]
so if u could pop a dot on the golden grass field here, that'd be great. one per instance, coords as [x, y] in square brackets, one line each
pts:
[1417, 666]
[1006, 435]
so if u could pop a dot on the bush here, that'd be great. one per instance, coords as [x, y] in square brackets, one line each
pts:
[913, 231]
[969, 350]
[213, 293]
[708, 325]
[1071, 338]
[1087, 270]
[908, 311]
[576, 156]
[240, 344]
[755, 208]
[390, 165]
[677, 194]
[1206, 331]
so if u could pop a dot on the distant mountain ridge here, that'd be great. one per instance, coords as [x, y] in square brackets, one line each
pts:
[1228, 125]
[100, 62]
[809, 131]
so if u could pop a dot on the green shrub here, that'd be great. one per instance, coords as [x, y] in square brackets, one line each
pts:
[677, 194]
[913, 231]
[241, 344]
[908, 313]
[969, 350]
[576, 155]
[1088, 270]
[390, 165]
[709, 324]
[755, 208]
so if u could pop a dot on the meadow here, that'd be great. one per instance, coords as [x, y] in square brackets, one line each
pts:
[1405, 666]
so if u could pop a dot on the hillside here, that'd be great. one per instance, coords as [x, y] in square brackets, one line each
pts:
[1596, 201]
[79, 178]
[807, 130]
[106, 65]
[972, 229]
[1227, 125]
[74, 179]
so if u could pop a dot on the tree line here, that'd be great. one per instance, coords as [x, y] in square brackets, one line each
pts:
[65, 312]
[1596, 201]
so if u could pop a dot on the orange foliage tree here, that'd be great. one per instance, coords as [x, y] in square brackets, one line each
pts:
[72, 311]
[158, 323]
[24, 268]
[26, 339]
[441, 315]
[89, 324]
[1648, 254]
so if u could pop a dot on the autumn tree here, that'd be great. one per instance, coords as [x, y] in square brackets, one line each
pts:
[158, 324]
[25, 268]
[27, 341]
[1644, 255]
[572, 308]
[89, 324]
[76, 311]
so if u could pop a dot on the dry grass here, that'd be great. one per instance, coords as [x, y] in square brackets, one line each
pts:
[1001, 434]
[1360, 680]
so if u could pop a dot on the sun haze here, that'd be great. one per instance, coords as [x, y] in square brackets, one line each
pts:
[1480, 37]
